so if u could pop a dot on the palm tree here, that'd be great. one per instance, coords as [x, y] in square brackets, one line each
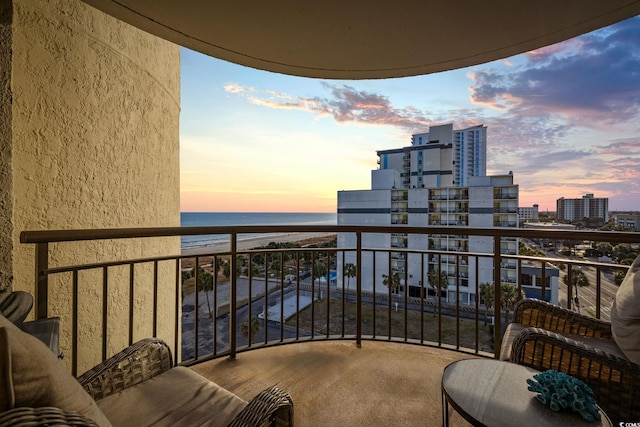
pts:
[578, 278]
[392, 282]
[274, 266]
[349, 271]
[205, 284]
[509, 296]
[226, 266]
[487, 293]
[320, 270]
[250, 328]
[187, 274]
[438, 280]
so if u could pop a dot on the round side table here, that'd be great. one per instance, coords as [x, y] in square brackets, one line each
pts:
[493, 393]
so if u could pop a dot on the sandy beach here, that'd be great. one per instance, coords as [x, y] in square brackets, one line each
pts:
[301, 238]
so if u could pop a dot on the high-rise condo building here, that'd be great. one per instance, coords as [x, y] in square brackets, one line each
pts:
[439, 180]
[443, 157]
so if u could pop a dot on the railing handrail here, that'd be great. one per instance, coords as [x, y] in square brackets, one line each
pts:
[42, 239]
[51, 236]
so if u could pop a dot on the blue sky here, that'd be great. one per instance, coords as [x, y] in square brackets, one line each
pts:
[565, 119]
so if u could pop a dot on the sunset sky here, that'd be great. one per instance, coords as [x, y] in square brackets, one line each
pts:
[565, 119]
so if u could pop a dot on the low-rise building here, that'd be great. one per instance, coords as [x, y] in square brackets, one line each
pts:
[526, 214]
[629, 219]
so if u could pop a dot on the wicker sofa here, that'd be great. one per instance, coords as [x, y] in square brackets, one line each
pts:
[138, 386]
[604, 355]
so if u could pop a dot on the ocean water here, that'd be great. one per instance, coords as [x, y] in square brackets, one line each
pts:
[199, 219]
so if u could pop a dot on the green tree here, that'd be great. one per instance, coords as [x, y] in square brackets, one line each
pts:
[249, 328]
[349, 272]
[622, 251]
[205, 284]
[226, 266]
[578, 279]
[187, 274]
[509, 296]
[487, 295]
[275, 267]
[392, 282]
[618, 277]
[319, 270]
[604, 248]
[439, 281]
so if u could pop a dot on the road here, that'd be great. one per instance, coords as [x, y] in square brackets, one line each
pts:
[587, 294]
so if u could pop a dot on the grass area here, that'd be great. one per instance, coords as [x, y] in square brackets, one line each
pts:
[396, 324]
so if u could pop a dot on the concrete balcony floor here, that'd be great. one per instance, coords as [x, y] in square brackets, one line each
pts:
[334, 383]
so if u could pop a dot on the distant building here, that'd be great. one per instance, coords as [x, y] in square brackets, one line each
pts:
[526, 214]
[531, 281]
[439, 180]
[588, 207]
[631, 220]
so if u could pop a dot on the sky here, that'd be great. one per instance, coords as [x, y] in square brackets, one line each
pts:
[565, 119]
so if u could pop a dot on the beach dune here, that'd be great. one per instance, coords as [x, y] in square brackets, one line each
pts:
[301, 238]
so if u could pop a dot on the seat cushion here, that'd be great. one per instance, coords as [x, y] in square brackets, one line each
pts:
[625, 314]
[513, 330]
[177, 397]
[32, 376]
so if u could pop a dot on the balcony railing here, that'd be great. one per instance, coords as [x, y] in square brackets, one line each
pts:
[295, 298]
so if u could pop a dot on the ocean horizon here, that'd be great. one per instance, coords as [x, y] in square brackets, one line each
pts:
[211, 219]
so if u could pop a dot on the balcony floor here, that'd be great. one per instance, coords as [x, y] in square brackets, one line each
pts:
[334, 383]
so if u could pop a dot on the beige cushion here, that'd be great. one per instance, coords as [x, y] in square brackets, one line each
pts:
[513, 330]
[178, 396]
[32, 376]
[625, 314]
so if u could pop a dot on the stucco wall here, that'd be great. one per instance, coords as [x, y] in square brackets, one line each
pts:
[95, 145]
[6, 187]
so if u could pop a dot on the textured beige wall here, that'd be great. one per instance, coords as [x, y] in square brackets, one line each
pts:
[6, 187]
[95, 145]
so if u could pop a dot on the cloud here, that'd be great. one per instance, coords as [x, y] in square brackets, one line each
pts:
[589, 81]
[279, 95]
[344, 104]
[627, 146]
[233, 88]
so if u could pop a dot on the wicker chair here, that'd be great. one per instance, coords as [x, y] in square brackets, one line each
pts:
[149, 359]
[15, 306]
[544, 336]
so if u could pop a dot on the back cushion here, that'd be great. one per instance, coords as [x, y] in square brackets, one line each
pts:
[32, 376]
[625, 314]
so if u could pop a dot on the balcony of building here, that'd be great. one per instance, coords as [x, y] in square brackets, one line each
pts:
[320, 339]
[66, 39]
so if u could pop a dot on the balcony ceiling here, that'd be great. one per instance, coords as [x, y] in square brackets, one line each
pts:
[356, 39]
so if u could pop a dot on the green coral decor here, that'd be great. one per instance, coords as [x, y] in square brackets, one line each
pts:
[561, 391]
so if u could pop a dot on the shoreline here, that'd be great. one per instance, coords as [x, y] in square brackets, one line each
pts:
[246, 244]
